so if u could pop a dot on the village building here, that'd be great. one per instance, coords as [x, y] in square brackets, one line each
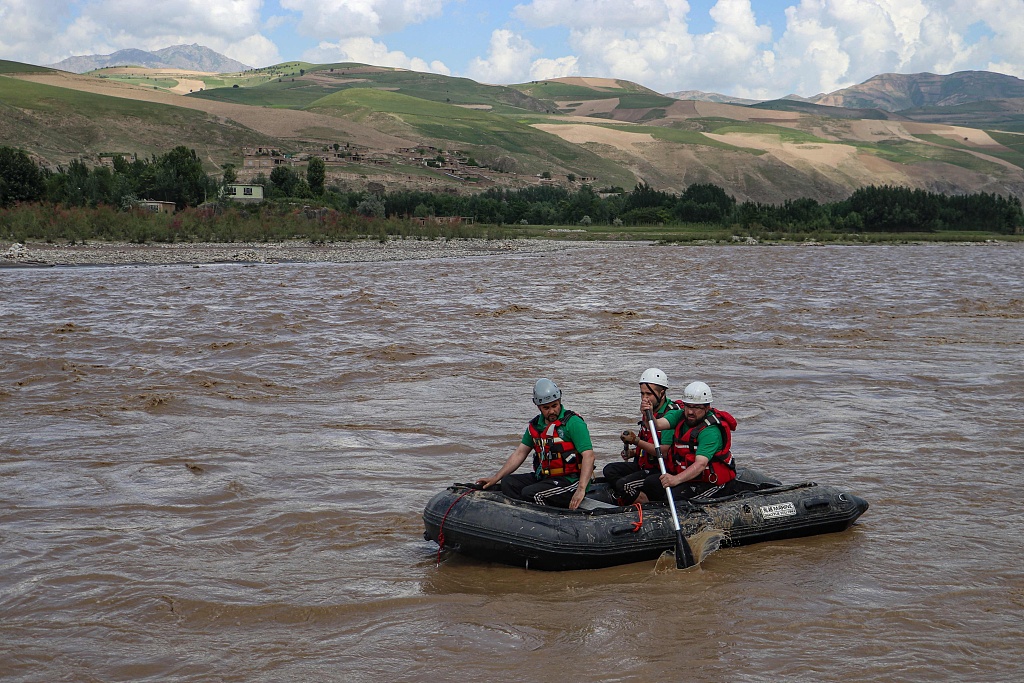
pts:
[444, 220]
[258, 158]
[107, 158]
[156, 206]
[241, 192]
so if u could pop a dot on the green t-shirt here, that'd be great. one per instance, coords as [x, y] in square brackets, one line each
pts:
[574, 430]
[709, 442]
[671, 411]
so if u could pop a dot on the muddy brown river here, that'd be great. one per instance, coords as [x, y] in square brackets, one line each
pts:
[217, 473]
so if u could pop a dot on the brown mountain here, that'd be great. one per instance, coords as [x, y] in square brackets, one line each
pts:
[896, 92]
[189, 57]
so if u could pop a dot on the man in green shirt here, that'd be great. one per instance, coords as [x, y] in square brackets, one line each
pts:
[627, 478]
[701, 466]
[563, 460]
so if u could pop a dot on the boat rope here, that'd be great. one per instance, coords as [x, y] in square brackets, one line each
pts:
[638, 524]
[440, 529]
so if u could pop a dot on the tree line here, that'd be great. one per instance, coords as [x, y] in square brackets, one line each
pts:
[178, 176]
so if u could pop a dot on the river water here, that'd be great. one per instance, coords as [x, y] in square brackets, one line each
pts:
[217, 473]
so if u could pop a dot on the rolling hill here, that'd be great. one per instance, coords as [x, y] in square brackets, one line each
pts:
[606, 132]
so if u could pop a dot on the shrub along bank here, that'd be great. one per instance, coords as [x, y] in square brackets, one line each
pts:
[79, 202]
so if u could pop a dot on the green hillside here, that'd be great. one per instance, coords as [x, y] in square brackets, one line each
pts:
[548, 90]
[61, 124]
[820, 110]
[382, 115]
[299, 87]
[993, 114]
[7, 67]
[481, 133]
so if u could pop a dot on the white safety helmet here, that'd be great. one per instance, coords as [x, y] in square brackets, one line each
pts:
[545, 391]
[697, 392]
[654, 376]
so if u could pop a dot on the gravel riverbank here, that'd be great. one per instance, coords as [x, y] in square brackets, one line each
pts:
[115, 253]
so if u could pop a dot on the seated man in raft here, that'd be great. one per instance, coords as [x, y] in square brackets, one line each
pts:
[698, 463]
[563, 455]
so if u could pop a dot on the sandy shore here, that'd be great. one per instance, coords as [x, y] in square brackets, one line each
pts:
[116, 253]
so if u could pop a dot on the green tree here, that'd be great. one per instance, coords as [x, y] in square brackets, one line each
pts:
[230, 174]
[178, 177]
[20, 178]
[371, 206]
[316, 173]
[67, 186]
[283, 180]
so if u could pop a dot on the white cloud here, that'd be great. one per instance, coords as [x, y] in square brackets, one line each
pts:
[508, 59]
[809, 55]
[596, 14]
[823, 45]
[26, 29]
[368, 51]
[329, 19]
[857, 39]
[650, 41]
[543, 69]
[232, 27]
[150, 25]
[256, 50]
[1002, 49]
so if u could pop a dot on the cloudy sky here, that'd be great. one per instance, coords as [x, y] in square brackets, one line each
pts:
[746, 48]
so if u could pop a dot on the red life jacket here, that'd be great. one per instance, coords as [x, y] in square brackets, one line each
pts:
[721, 469]
[553, 456]
[650, 462]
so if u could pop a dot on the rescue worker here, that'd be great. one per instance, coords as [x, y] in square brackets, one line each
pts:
[701, 465]
[627, 478]
[563, 455]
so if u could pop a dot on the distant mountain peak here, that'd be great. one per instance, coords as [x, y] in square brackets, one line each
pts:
[193, 57]
[702, 96]
[897, 92]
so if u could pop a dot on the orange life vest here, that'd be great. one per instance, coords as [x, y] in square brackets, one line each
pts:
[721, 469]
[553, 455]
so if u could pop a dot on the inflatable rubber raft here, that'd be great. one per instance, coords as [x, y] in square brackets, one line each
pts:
[490, 526]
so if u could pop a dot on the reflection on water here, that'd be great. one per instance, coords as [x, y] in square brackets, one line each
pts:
[217, 473]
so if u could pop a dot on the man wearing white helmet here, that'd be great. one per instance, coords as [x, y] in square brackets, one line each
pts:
[563, 455]
[701, 466]
[627, 478]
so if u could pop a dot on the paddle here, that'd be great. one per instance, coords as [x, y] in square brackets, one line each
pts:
[684, 556]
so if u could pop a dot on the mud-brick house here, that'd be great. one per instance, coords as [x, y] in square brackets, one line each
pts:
[444, 220]
[107, 158]
[157, 206]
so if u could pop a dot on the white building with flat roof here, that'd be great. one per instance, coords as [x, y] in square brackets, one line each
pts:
[244, 193]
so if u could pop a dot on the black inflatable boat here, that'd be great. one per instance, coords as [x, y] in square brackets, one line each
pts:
[490, 526]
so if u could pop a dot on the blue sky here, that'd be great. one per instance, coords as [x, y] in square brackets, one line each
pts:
[759, 49]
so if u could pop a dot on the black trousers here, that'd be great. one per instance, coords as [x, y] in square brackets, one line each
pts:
[557, 491]
[690, 490]
[627, 479]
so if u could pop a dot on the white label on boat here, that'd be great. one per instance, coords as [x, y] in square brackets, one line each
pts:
[778, 510]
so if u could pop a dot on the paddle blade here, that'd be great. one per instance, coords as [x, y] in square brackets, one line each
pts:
[684, 556]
